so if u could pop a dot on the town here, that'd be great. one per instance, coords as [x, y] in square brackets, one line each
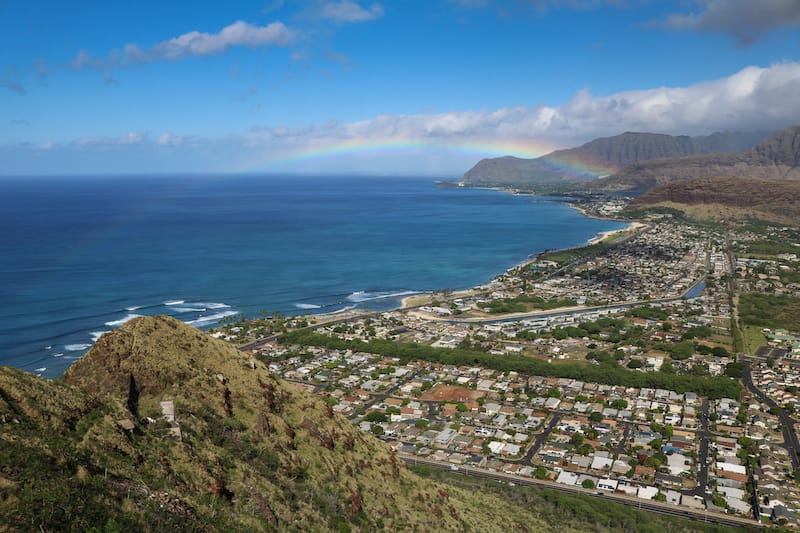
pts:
[637, 366]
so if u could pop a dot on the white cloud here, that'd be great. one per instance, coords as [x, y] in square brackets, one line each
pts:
[193, 43]
[169, 139]
[349, 11]
[237, 34]
[753, 99]
[129, 138]
[745, 20]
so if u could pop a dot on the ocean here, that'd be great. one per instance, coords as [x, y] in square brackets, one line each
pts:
[81, 255]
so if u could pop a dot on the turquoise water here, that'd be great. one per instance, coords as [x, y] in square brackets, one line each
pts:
[80, 255]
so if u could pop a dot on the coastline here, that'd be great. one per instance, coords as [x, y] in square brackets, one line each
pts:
[416, 300]
[68, 344]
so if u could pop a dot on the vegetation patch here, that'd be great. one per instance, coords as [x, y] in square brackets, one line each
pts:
[524, 303]
[609, 373]
[753, 338]
[770, 311]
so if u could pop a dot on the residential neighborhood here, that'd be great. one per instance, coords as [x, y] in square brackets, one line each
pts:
[657, 302]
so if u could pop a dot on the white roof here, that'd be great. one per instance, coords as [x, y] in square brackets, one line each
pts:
[730, 467]
[647, 492]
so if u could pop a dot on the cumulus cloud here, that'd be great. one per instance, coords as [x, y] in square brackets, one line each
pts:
[745, 20]
[348, 11]
[753, 99]
[193, 43]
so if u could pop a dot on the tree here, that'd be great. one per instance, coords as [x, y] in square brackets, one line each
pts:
[377, 429]
[734, 370]
[576, 439]
[375, 416]
[586, 449]
[635, 363]
[682, 350]
[619, 404]
[588, 484]
[596, 416]
[540, 473]
[719, 351]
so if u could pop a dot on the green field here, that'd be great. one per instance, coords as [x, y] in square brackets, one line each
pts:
[753, 338]
[770, 311]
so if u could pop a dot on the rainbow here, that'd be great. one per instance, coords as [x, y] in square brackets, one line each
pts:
[359, 147]
[472, 149]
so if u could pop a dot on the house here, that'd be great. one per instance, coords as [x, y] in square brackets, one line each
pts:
[647, 492]
[567, 478]
[607, 484]
[677, 464]
[673, 497]
[581, 461]
[601, 463]
[445, 436]
[624, 487]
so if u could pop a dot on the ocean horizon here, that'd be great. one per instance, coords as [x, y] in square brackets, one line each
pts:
[80, 256]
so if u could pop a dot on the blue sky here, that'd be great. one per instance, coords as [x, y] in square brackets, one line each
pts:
[385, 87]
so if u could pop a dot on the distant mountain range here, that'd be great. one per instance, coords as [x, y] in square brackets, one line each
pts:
[602, 157]
[774, 158]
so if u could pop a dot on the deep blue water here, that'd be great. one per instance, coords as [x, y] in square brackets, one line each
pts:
[80, 255]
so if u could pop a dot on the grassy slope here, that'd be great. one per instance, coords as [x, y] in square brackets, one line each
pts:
[256, 453]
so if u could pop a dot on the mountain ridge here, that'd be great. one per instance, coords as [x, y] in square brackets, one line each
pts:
[776, 157]
[601, 156]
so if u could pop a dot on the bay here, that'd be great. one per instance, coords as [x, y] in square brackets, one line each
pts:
[81, 255]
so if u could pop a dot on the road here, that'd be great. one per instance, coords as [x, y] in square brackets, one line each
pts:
[703, 436]
[645, 505]
[540, 439]
[790, 441]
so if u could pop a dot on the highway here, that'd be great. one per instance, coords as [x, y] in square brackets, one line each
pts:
[632, 501]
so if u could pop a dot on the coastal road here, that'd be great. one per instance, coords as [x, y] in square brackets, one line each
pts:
[688, 294]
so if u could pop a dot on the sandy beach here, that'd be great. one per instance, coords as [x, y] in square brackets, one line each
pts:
[600, 237]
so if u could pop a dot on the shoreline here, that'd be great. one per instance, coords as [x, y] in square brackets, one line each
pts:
[409, 301]
[425, 297]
